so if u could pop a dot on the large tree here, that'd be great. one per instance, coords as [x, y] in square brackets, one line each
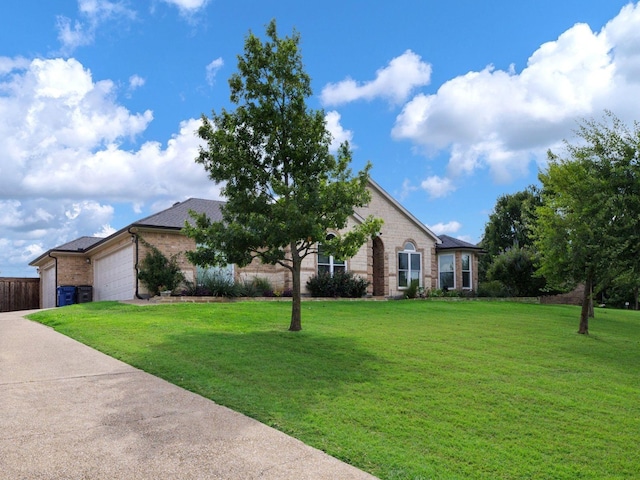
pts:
[283, 188]
[511, 222]
[588, 228]
[508, 240]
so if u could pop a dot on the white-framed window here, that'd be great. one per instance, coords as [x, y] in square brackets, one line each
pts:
[409, 266]
[466, 271]
[446, 271]
[328, 263]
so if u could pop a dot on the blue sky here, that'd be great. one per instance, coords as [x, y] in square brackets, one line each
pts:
[454, 103]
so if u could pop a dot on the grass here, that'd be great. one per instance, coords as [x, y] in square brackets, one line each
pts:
[405, 389]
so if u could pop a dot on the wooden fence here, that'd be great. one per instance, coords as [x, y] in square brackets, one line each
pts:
[19, 294]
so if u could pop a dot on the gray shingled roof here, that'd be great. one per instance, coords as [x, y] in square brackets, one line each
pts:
[450, 243]
[173, 217]
[79, 244]
[178, 214]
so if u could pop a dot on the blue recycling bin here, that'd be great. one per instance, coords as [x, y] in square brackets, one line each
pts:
[66, 295]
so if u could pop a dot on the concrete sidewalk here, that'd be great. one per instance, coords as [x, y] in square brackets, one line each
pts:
[70, 412]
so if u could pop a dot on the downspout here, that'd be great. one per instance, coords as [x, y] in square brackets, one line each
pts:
[134, 236]
[55, 270]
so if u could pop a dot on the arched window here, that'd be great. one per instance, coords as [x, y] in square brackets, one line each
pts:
[328, 263]
[409, 266]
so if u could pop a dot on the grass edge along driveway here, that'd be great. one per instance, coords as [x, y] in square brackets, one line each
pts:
[404, 389]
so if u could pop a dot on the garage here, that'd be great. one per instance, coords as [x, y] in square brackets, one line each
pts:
[48, 285]
[114, 277]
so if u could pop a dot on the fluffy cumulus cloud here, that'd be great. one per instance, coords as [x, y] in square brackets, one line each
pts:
[338, 134]
[62, 159]
[504, 120]
[445, 228]
[395, 82]
[438, 187]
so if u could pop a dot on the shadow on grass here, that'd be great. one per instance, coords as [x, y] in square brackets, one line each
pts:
[267, 375]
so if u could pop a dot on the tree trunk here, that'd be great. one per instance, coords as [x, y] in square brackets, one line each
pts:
[635, 298]
[584, 313]
[296, 309]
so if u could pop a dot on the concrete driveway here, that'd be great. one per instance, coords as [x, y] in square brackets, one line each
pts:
[70, 412]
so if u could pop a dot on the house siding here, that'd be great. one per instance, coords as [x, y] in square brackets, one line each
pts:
[74, 270]
[397, 229]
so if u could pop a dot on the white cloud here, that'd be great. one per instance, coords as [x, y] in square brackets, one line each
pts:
[188, 6]
[503, 120]
[105, 231]
[394, 83]
[77, 33]
[136, 81]
[338, 133]
[60, 148]
[438, 187]
[407, 189]
[212, 70]
[445, 228]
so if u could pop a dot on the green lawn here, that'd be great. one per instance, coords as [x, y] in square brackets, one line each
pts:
[403, 389]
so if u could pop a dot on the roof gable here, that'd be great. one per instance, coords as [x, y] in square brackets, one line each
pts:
[403, 210]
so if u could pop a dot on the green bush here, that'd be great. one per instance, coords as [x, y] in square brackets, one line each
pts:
[412, 289]
[218, 284]
[340, 284]
[159, 273]
[494, 288]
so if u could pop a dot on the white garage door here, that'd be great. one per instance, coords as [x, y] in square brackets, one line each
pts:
[48, 280]
[114, 277]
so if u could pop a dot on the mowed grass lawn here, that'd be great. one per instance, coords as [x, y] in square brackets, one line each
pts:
[403, 389]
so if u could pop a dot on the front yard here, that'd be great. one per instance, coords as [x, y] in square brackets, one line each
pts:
[403, 389]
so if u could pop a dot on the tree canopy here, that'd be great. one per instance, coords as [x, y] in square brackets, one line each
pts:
[511, 257]
[283, 187]
[588, 228]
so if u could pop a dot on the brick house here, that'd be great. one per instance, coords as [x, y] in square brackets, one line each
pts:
[404, 250]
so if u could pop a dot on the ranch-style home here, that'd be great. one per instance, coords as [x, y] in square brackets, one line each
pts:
[404, 250]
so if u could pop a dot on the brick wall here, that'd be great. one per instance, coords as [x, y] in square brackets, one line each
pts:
[74, 270]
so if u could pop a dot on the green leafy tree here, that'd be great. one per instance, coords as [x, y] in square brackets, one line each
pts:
[508, 241]
[284, 189]
[588, 228]
[516, 270]
[511, 222]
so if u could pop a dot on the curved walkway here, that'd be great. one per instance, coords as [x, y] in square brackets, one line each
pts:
[70, 412]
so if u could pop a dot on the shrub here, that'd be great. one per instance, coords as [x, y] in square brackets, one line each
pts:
[340, 284]
[157, 272]
[218, 284]
[493, 288]
[412, 289]
[256, 287]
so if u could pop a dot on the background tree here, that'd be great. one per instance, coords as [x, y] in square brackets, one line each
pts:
[283, 188]
[588, 227]
[508, 241]
[511, 223]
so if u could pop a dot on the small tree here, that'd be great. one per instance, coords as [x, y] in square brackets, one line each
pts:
[284, 189]
[588, 227]
[158, 272]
